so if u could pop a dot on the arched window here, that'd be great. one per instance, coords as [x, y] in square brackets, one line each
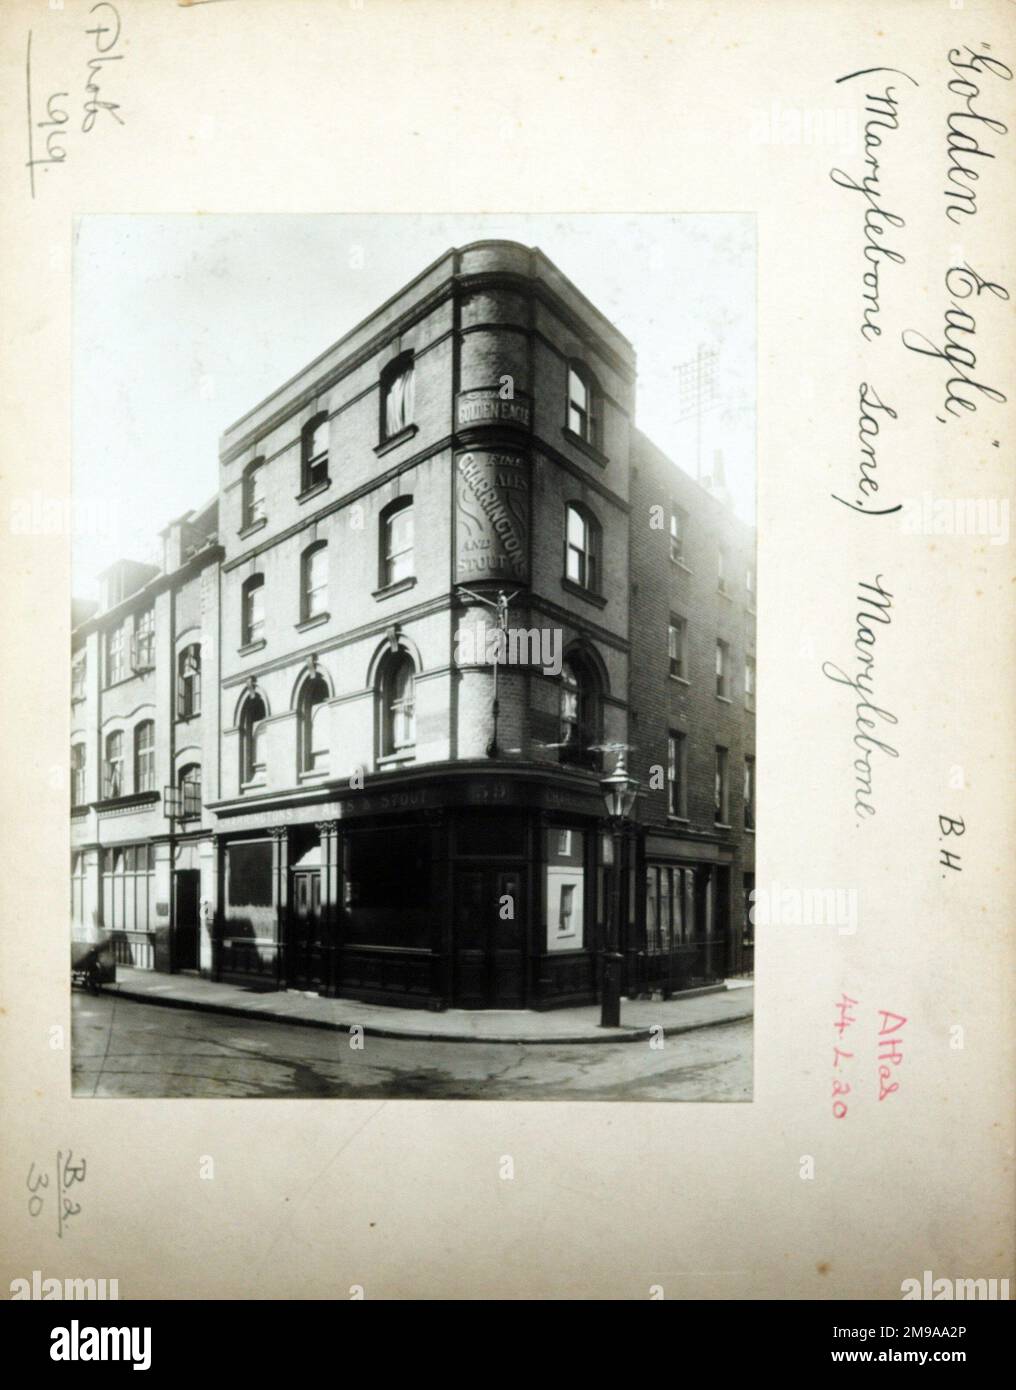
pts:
[580, 713]
[397, 396]
[313, 719]
[397, 562]
[583, 405]
[252, 744]
[314, 581]
[582, 547]
[254, 493]
[78, 755]
[253, 628]
[397, 704]
[144, 757]
[112, 775]
[314, 446]
[189, 783]
[188, 681]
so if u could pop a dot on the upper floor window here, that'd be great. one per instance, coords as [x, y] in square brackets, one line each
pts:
[398, 704]
[314, 581]
[676, 634]
[580, 714]
[253, 627]
[721, 785]
[677, 774]
[721, 570]
[188, 687]
[78, 679]
[189, 784]
[583, 405]
[582, 548]
[678, 532]
[254, 509]
[144, 757]
[113, 768]
[723, 670]
[397, 397]
[749, 793]
[252, 738]
[315, 452]
[397, 542]
[78, 756]
[749, 585]
[116, 654]
[313, 725]
[749, 682]
[144, 640]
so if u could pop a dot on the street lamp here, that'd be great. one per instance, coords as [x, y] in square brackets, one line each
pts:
[619, 791]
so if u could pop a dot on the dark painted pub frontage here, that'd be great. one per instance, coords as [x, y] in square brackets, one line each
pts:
[455, 889]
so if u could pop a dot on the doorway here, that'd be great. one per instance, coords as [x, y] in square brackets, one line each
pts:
[490, 934]
[185, 934]
[303, 948]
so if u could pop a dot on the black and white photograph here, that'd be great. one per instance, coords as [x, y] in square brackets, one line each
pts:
[413, 669]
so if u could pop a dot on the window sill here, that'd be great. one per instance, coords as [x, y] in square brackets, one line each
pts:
[749, 830]
[724, 593]
[571, 587]
[251, 647]
[395, 759]
[110, 803]
[317, 774]
[680, 564]
[724, 699]
[316, 621]
[252, 527]
[313, 491]
[678, 820]
[721, 825]
[77, 699]
[680, 680]
[121, 680]
[749, 707]
[188, 718]
[256, 785]
[395, 440]
[387, 590]
[590, 450]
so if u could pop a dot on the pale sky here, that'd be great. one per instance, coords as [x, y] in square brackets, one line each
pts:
[182, 324]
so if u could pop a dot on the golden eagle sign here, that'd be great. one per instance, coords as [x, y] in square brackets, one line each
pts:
[491, 516]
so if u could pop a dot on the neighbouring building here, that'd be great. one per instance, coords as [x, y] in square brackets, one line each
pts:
[383, 813]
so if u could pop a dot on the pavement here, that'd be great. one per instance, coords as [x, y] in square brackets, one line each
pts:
[727, 1003]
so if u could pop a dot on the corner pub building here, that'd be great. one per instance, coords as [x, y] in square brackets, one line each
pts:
[382, 815]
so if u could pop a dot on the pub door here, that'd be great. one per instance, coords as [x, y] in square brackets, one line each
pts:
[303, 948]
[490, 937]
[185, 927]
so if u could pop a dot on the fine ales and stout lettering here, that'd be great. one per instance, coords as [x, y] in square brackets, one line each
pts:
[51, 132]
[971, 135]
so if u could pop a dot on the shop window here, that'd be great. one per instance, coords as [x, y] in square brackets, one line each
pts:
[249, 873]
[397, 403]
[314, 581]
[313, 717]
[189, 784]
[584, 405]
[253, 629]
[188, 689]
[112, 781]
[78, 757]
[128, 887]
[386, 908]
[144, 756]
[396, 535]
[314, 452]
[582, 547]
[397, 699]
[252, 739]
[254, 504]
[580, 701]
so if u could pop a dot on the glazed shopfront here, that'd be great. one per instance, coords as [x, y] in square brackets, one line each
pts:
[455, 889]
